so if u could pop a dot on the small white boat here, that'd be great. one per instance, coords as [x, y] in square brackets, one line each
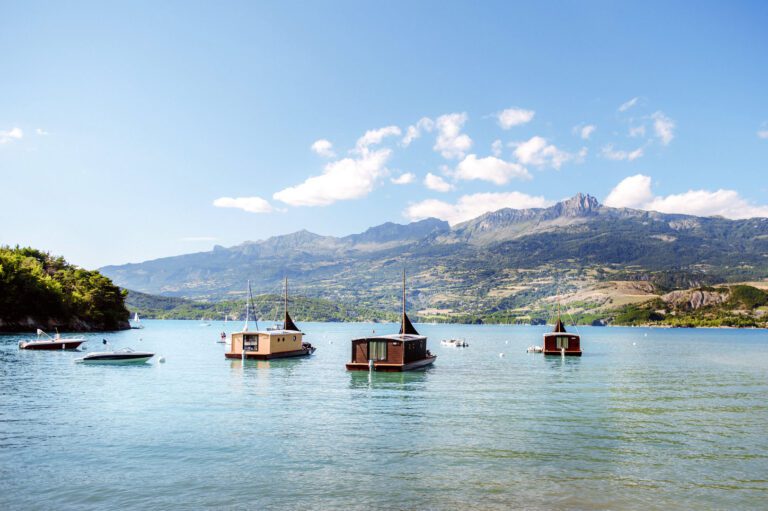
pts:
[534, 349]
[121, 356]
[455, 343]
[136, 321]
[46, 342]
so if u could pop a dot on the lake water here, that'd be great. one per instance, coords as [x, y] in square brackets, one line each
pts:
[646, 419]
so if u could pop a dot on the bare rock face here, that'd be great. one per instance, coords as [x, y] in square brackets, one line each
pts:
[693, 299]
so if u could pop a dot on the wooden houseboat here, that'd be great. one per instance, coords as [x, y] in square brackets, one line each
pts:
[403, 351]
[560, 342]
[284, 342]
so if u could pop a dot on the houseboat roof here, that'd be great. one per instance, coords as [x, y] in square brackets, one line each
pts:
[555, 334]
[392, 337]
[276, 331]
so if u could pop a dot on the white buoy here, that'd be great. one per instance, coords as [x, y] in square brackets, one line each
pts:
[161, 359]
[634, 344]
[506, 342]
[501, 355]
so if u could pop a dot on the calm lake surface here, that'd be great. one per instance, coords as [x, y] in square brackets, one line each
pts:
[646, 419]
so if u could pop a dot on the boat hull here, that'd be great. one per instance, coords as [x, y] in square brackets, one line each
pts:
[567, 353]
[50, 345]
[392, 368]
[132, 358]
[305, 352]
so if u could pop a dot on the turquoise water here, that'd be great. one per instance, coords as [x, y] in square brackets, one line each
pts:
[646, 419]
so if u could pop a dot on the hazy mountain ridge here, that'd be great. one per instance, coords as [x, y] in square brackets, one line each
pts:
[499, 260]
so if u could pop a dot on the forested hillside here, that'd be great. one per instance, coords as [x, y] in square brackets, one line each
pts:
[38, 290]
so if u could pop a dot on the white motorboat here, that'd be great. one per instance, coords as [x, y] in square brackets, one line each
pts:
[121, 356]
[534, 349]
[455, 343]
[46, 342]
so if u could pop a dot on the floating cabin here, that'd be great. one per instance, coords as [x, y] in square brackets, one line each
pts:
[560, 342]
[284, 342]
[404, 351]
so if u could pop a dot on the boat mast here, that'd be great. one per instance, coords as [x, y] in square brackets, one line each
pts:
[403, 318]
[285, 317]
[247, 307]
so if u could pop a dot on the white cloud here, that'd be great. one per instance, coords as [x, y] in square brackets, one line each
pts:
[324, 148]
[514, 117]
[614, 154]
[451, 143]
[472, 206]
[11, 135]
[635, 192]
[249, 204]
[496, 147]
[374, 137]
[538, 152]
[348, 178]
[628, 104]
[404, 179]
[632, 192]
[490, 169]
[637, 131]
[414, 131]
[763, 131]
[41, 131]
[437, 183]
[585, 131]
[663, 127]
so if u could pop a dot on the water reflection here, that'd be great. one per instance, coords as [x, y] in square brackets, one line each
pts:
[405, 380]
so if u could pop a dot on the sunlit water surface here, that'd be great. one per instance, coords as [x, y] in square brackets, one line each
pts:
[646, 419]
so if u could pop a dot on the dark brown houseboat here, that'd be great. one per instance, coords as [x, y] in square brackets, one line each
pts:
[560, 342]
[403, 351]
[284, 342]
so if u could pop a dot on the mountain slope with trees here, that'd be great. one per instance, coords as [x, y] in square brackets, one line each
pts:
[38, 290]
[502, 263]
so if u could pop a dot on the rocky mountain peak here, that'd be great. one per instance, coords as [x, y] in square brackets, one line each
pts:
[579, 205]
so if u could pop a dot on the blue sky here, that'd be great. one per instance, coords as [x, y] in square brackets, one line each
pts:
[141, 130]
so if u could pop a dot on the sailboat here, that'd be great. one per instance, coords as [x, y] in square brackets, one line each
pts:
[284, 342]
[136, 321]
[403, 351]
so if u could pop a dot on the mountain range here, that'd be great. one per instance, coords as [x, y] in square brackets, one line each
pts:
[500, 261]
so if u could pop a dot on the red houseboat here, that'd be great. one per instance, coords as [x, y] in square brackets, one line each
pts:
[560, 342]
[403, 351]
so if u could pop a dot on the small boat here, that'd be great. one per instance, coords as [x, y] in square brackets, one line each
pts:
[222, 338]
[136, 322]
[534, 349]
[121, 356]
[455, 343]
[51, 343]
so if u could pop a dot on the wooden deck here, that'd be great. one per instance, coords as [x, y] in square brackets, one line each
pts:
[251, 355]
[395, 368]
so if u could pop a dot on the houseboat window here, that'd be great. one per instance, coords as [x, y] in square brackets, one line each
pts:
[562, 342]
[294, 337]
[251, 343]
[377, 350]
